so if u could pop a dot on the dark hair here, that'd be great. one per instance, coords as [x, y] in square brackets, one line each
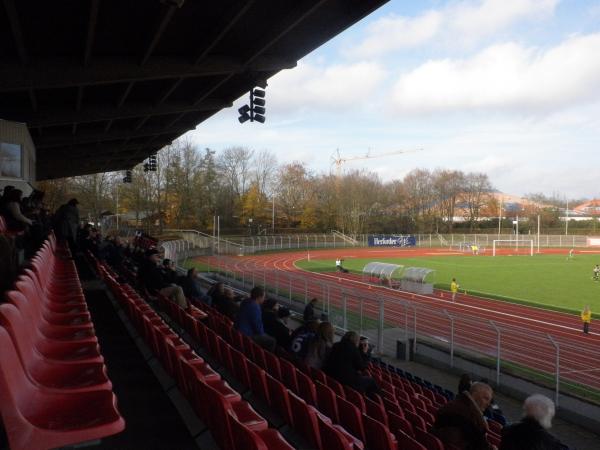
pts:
[14, 195]
[314, 300]
[73, 202]
[190, 271]
[166, 261]
[257, 292]
[269, 303]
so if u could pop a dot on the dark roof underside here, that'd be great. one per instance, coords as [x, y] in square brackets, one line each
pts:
[102, 84]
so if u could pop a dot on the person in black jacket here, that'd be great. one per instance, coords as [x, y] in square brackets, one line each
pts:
[531, 432]
[273, 326]
[152, 278]
[309, 310]
[345, 363]
[460, 422]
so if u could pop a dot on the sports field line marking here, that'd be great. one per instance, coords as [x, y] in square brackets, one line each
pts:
[479, 308]
[445, 253]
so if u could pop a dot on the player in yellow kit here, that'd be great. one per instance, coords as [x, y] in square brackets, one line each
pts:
[454, 288]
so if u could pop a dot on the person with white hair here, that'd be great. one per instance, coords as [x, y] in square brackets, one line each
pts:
[531, 433]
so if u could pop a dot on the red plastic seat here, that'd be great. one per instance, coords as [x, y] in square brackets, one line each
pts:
[318, 375]
[194, 379]
[246, 439]
[326, 400]
[495, 427]
[32, 315]
[378, 435]
[331, 438]
[240, 367]
[393, 407]
[376, 411]
[416, 420]
[336, 386]
[37, 419]
[258, 382]
[494, 439]
[279, 399]
[305, 421]
[399, 423]
[426, 416]
[306, 388]
[405, 442]
[273, 367]
[85, 351]
[430, 441]
[356, 398]
[288, 375]
[350, 418]
[218, 421]
[50, 373]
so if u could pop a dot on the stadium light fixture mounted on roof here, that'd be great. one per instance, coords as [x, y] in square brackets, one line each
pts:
[256, 111]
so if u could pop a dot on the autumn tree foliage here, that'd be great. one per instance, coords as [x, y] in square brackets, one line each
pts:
[247, 187]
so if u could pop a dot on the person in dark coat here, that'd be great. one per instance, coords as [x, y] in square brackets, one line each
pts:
[464, 383]
[273, 326]
[309, 311]
[229, 306]
[169, 272]
[67, 222]
[189, 284]
[460, 422]
[152, 278]
[345, 364]
[531, 433]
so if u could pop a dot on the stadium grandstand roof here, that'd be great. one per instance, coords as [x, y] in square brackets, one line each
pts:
[103, 84]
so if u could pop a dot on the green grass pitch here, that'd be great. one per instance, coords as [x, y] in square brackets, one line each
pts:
[549, 281]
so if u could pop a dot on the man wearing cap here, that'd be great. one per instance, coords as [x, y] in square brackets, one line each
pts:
[153, 279]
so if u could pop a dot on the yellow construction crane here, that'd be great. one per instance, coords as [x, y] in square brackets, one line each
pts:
[338, 160]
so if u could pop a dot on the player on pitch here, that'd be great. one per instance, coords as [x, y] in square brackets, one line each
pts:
[454, 288]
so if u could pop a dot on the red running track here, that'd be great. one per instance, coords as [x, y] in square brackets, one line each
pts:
[524, 329]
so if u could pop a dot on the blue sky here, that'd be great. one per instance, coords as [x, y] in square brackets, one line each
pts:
[507, 87]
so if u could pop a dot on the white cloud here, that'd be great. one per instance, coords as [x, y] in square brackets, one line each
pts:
[471, 21]
[505, 76]
[462, 22]
[395, 33]
[330, 88]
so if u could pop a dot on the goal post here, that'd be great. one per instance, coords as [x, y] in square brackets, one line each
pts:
[520, 246]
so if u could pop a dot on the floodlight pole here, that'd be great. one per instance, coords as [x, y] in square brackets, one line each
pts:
[538, 237]
[500, 219]
[567, 220]
[517, 233]
[273, 214]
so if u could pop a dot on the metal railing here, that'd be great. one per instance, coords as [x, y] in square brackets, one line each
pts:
[244, 245]
[558, 361]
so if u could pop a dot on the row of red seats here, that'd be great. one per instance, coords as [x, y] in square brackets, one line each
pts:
[311, 408]
[334, 435]
[233, 422]
[53, 381]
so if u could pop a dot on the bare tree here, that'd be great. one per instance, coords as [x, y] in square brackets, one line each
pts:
[264, 172]
[476, 192]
